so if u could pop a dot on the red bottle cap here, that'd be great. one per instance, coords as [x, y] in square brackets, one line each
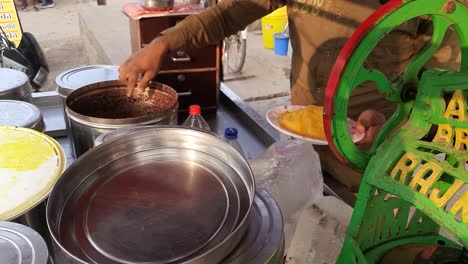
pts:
[194, 110]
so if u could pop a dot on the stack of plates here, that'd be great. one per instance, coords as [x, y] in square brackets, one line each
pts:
[264, 240]
[170, 204]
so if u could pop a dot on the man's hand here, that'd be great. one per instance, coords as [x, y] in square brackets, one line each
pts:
[369, 122]
[146, 62]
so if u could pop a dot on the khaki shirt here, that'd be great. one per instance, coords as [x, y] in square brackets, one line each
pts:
[318, 31]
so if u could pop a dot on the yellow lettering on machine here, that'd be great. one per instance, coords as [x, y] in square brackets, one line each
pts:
[404, 167]
[461, 138]
[30, 165]
[456, 107]
[442, 201]
[421, 178]
[461, 206]
[444, 135]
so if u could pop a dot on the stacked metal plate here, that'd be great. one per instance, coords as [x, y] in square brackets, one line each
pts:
[200, 213]
[161, 195]
[263, 242]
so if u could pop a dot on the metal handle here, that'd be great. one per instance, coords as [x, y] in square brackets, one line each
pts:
[189, 93]
[181, 78]
[182, 57]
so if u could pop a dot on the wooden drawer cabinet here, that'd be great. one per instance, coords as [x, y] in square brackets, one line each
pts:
[192, 87]
[194, 73]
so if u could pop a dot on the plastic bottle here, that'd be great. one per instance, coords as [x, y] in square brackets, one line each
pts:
[195, 119]
[230, 136]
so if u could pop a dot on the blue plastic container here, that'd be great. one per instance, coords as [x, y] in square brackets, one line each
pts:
[281, 44]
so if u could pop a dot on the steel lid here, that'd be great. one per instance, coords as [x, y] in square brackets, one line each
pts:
[21, 114]
[20, 244]
[73, 79]
[263, 241]
[14, 84]
[30, 165]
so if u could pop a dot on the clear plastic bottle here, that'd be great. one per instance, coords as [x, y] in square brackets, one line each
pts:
[195, 119]
[230, 136]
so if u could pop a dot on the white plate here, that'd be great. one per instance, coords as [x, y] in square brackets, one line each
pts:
[274, 113]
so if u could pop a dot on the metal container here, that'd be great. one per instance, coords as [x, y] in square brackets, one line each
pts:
[21, 114]
[263, 242]
[21, 245]
[15, 85]
[70, 80]
[102, 107]
[161, 195]
[157, 5]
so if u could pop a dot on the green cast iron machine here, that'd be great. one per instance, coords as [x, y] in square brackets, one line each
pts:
[414, 192]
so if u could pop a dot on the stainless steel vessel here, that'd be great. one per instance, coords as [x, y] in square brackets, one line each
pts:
[160, 195]
[21, 114]
[102, 107]
[70, 80]
[15, 85]
[263, 242]
[21, 245]
[157, 5]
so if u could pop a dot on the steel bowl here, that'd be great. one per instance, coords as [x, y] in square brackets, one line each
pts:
[159, 195]
[102, 107]
[73, 79]
[157, 5]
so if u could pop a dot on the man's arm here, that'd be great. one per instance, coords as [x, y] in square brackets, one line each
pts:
[217, 22]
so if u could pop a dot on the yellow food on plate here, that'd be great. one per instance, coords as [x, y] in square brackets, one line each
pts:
[307, 122]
